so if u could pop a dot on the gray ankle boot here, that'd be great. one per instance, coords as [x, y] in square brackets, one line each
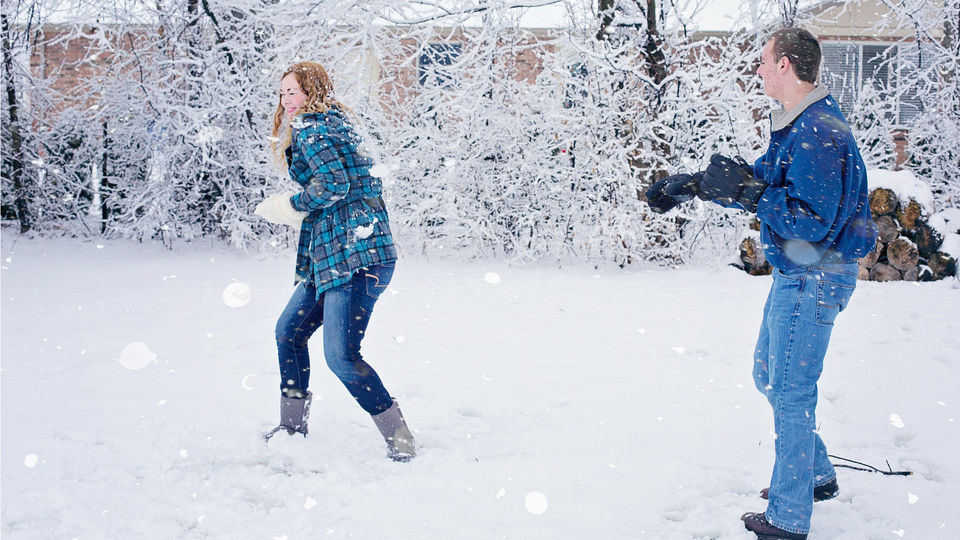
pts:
[400, 443]
[294, 413]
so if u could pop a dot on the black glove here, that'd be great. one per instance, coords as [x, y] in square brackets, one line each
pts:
[727, 181]
[667, 193]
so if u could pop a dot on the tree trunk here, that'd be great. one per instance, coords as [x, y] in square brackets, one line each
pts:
[653, 49]
[106, 188]
[606, 12]
[788, 12]
[15, 159]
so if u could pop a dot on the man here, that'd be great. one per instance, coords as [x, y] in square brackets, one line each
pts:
[809, 192]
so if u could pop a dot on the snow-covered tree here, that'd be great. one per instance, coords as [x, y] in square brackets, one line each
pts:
[494, 140]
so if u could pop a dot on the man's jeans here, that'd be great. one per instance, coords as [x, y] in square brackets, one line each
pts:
[794, 334]
[343, 312]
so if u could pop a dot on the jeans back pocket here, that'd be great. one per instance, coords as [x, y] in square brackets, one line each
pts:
[377, 278]
[832, 298]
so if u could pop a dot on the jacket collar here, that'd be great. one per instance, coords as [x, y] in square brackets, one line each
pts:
[782, 118]
[331, 119]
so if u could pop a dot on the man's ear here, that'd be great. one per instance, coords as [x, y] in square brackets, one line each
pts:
[784, 64]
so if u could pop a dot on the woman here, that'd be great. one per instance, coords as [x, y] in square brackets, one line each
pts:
[345, 257]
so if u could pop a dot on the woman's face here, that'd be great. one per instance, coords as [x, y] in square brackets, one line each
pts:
[291, 96]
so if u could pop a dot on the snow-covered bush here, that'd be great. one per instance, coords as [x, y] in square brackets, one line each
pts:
[494, 140]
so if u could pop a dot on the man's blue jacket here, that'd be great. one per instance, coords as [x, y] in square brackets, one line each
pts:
[816, 208]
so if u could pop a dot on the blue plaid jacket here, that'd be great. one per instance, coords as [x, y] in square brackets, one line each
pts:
[347, 227]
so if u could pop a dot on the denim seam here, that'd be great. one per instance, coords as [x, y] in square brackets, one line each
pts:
[296, 353]
[353, 323]
[787, 361]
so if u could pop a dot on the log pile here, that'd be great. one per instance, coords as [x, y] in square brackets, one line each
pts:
[907, 247]
[752, 259]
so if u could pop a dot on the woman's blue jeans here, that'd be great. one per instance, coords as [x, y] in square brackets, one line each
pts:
[797, 320]
[343, 312]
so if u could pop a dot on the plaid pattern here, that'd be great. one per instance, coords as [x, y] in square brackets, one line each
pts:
[347, 227]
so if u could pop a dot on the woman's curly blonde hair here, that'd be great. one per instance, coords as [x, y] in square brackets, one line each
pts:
[316, 84]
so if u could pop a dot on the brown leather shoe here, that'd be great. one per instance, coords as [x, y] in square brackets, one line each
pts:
[757, 523]
[820, 493]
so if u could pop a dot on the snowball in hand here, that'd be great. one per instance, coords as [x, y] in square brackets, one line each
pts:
[492, 278]
[535, 502]
[236, 294]
[136, 355]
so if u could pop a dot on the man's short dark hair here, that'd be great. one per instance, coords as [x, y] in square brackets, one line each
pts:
[803, 50]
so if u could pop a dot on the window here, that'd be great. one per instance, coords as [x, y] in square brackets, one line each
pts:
[848, 66]
[435, 62]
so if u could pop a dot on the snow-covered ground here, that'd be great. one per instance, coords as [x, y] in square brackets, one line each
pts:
[553, 403]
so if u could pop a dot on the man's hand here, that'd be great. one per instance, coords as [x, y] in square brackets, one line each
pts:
[727, 181]
[667, 193]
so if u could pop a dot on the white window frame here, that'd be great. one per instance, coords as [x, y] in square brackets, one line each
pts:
[894, 76]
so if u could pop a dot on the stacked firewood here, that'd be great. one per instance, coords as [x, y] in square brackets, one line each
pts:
[907, 246]
[752, 259]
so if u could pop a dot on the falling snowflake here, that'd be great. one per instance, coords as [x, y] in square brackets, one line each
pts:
[492, 278]
[136, 355]
[535, 502]
[236, 294]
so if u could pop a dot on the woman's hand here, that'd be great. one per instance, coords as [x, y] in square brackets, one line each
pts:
[277, 209]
